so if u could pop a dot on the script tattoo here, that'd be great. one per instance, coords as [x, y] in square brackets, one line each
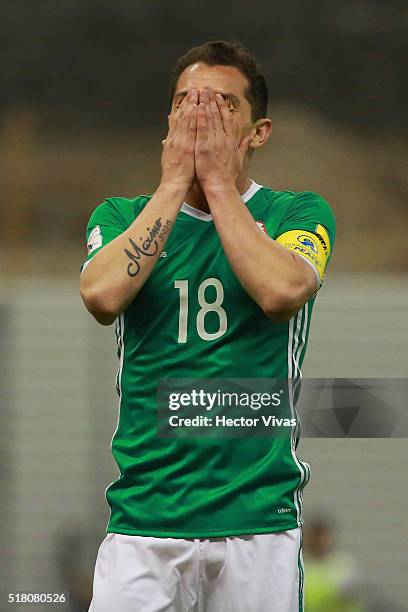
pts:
[165, 230]
[148, 246]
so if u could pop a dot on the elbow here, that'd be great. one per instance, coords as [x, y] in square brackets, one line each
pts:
[280, 306]
[99, 304]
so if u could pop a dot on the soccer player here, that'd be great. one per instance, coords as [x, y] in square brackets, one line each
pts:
[214, 275]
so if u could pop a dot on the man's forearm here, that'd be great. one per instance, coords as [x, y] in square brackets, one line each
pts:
[273, 276]
[118, 271]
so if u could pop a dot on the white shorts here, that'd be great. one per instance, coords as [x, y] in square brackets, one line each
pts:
[258, 573]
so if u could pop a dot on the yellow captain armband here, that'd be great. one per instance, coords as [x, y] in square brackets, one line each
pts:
[314, 247]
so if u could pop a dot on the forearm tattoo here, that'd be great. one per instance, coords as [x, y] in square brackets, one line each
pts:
[148, 246]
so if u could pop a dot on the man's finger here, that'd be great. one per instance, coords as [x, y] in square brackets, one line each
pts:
[209, 116]
[204, 96]
[175, 116]
[194, 96]
[186, 110]
[184, 121]
[226, 118]
[192, 128]
[215, 111]
[202, 131]
[210, 123]
[193, 119]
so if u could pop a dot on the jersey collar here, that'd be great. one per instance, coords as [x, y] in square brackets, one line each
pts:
[203, 216]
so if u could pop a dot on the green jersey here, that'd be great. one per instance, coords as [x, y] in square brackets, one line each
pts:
[193, 319]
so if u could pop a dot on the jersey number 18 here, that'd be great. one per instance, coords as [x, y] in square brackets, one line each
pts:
[206, 307]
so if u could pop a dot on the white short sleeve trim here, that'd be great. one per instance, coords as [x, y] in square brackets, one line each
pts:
[204, 216]
[319, 280]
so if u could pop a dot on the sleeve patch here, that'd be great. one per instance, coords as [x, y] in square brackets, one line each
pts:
[95, 239]
[313, 247]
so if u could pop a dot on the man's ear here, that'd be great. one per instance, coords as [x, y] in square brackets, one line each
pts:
[262, 129]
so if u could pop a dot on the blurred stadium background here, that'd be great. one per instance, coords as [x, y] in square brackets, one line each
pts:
[83, 108]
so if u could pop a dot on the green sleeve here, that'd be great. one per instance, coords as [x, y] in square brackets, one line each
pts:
[105, 224]
[306, 211]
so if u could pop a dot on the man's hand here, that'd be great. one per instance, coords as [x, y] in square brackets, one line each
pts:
[177, 160]
[219, 156]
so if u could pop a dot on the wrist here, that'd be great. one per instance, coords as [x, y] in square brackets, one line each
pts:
[219, 188]
[175, 188]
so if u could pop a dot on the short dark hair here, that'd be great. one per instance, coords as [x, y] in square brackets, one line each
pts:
[223, 53]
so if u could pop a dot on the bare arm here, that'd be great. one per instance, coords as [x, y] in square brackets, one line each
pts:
[119, 270]
[277, 279]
